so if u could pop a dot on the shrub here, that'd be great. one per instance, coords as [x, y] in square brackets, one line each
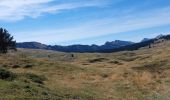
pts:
[15, 66]
[97, 60]
[28, 66]
[4, 65]
[154, 66]
[36, 78]
[104, 75]
[128, 59]
[6, 75]
[116, 62]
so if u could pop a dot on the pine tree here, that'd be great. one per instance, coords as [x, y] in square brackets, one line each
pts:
[6, 41]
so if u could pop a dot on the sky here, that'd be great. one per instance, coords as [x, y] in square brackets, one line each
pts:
[67, 22]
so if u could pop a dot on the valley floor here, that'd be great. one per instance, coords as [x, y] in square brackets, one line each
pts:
[130, 75]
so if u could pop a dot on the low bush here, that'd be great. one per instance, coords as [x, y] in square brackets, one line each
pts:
[6, 75]
[28, 66]
[36, 78]
[97, 60]
[116, 62]
[104, 75]
[154, 66]
[128, 59]
[16, 66]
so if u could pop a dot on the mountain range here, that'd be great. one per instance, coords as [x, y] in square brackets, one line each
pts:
[75, 48]
[113, 46]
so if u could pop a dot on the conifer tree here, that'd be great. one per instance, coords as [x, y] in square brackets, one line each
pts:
[6, 41]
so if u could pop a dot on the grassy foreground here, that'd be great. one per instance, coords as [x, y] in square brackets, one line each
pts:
[36, 74]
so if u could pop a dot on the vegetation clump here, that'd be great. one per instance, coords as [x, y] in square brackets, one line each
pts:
[6, 75]
[97, 60]
[116, 62]
[36, 78]
[28, 66]
[155, 66]
[16, 66]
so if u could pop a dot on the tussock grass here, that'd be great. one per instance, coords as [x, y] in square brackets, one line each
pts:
[134, 75]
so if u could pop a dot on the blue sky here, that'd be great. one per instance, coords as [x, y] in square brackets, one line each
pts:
[66, 22]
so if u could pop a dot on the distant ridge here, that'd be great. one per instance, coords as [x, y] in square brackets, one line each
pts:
[136, 46]
[114, 46]
[75, 48]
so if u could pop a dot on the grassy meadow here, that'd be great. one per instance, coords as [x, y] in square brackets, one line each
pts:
[129, 75]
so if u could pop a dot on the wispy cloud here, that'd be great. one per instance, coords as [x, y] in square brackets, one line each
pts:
[13, 10]
[116, 16]
[103, 27]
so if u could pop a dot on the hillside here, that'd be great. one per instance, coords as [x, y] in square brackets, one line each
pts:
[142, 74]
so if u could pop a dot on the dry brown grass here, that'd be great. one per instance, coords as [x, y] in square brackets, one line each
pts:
[135, 75]
[142, 79]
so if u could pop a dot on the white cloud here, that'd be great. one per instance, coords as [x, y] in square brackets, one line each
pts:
[13, 10]
[102, 27]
